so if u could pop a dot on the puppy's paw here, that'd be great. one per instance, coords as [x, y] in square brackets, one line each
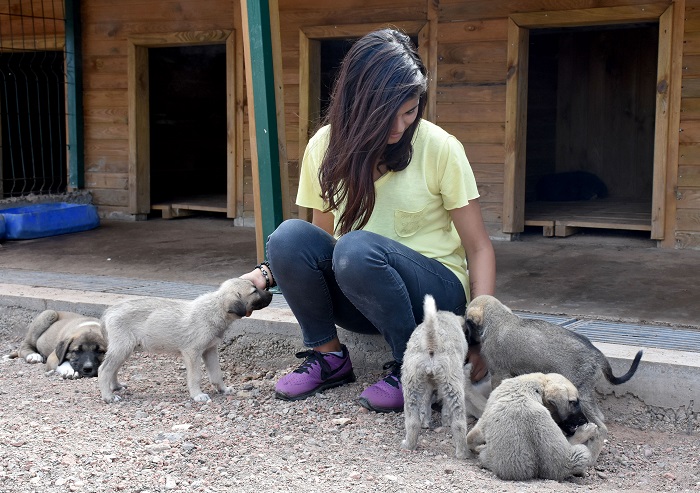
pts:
[463, 453]
[586, 431]
[67, 371]
[202, 397]
[406, 446]
[111, 399]
[34, 358]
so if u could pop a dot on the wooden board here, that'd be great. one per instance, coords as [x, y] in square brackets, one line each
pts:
[184, 206]
[564, 217]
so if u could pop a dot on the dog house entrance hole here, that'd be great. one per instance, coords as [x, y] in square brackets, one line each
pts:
[590, 128]
[187, 105]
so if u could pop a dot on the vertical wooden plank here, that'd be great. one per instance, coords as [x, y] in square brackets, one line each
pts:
[516, 129]
[675, 16]
[74, 96]
[262, 120]
[232, 149]
[663, 80]
[309, 96]
[240, 105]
[139, 130]
[279, 104]
[428, 49]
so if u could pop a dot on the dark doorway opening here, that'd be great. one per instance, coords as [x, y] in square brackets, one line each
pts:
[188, 126]
[590, 127]
[332, 53]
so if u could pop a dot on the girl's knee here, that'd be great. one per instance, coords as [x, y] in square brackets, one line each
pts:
[287, 236]
[352, 253]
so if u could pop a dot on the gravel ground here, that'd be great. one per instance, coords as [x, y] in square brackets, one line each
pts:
[57, 435]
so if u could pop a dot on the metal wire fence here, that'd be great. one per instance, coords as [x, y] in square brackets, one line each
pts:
[32, 98]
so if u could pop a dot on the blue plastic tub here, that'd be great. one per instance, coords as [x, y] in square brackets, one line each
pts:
[39, 220]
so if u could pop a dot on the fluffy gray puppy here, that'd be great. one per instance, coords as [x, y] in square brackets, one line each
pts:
[192, 328]
[514, 346]
[517, 438]
[433, 365]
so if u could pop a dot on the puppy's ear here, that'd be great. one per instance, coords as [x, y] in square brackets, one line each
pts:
[62, 349]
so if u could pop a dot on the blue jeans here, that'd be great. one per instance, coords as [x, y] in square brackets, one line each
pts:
[362, 282]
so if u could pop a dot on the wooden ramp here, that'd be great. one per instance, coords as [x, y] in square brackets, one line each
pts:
[566, 218]
[186, 206]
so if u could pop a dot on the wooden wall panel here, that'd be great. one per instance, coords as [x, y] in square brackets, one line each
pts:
[107, 26]
[470, 81]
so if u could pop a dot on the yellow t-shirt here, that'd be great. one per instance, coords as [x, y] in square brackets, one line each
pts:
[412, 206]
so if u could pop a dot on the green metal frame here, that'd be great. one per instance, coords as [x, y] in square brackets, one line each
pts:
[265, 112]
[74, 96]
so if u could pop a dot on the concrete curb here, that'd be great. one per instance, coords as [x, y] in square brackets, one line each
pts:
[665, 388]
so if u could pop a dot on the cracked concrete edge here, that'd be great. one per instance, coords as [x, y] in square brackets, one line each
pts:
[665, 379]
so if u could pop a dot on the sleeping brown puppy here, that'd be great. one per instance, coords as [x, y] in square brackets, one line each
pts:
[71, 344]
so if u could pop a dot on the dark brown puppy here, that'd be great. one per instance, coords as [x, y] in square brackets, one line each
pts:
[71, 344]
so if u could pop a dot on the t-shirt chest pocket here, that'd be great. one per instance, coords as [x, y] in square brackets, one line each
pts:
[408, 223]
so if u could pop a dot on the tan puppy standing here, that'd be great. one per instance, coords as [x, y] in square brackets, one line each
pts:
[192, 328]
[514, 346]
[517, 439]
[71, 344]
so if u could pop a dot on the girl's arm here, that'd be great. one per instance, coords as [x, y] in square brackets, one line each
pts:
[323, 220]
[481, 261]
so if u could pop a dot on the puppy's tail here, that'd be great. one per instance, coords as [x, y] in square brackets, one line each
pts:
[607, 371]
[429, 322]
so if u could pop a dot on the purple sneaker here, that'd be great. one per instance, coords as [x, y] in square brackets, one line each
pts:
[385, 396]
[318, 372]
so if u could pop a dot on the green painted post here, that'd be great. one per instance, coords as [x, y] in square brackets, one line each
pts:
[265, 111]
[74, 95]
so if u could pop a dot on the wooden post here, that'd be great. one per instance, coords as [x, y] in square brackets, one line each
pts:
[262, 117]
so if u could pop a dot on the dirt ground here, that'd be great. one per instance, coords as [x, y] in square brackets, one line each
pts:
[57, 435]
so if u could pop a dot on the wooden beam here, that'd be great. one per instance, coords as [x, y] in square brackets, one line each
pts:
[516, 129]
[677, 21]
[279, 105]
[309, 97]
[589, 17]
[139, 130]
[663, 80]
[428, 49]
[239, 103]
[232, 148]
[260, 82]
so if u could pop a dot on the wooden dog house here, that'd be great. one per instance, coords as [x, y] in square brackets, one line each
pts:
[530, 88]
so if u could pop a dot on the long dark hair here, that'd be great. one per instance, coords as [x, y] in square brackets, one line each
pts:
[381, 72]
